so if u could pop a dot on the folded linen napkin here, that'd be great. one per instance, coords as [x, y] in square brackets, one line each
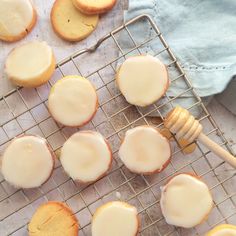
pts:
[201, 33]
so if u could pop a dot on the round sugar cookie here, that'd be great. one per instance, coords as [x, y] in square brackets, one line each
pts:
[91, 7]
[144, 150]
[223, 230]
[17, 19]
[71, 24]
[27, 162]
[86, 156]
[142, 80]
[55, 219]
[186, 201]
[73, 101]
[115, 218]
[31, 64]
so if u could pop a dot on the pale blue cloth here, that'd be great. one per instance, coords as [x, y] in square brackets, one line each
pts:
[202, 34]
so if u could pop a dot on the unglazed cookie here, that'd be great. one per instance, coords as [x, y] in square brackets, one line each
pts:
[185, 201]
[73, 101]
[53, 219]
[116, 219]
[31, 64]
[223, 230]
[71, 24]
[144, 150]
[142, 80]
[86, 156]
[92, 7]
[17, 18]
[27, 162]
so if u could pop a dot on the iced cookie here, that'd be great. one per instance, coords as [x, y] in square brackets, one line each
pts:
[142, 80]
[223, 230]
[92, 7]
[31, 64]
[27, 162]
[53, 219]
[17, 18]
[115, 218]
[73, 101]
[86, 156]
[71, 24]
[186, 201]
[144, 150]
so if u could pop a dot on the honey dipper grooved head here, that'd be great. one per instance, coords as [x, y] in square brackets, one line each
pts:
[180, 122]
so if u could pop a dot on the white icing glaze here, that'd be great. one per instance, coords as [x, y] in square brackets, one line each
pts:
[142, 80]
[15, 16]
[225, 232]
[72, 101]
[85, 156]
[144, 150]
[27, 162]
[185, 201]
[115, 219]
[38, 56]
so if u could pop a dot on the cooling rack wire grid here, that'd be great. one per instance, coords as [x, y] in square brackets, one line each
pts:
[25, 111]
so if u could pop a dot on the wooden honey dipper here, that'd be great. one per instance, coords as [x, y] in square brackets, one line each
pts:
[181, 123]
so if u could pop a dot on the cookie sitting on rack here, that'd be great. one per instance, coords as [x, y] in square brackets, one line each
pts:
[144, 150]
[86, 156]
[27, 162]
[115, 218]
[186, 201]
[55, 219]
[73, 101]
[223, 230]
[142, 80]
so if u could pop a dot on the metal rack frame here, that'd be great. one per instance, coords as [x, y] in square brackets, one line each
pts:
[142, 191]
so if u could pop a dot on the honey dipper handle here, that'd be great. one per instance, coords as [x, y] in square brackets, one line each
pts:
[217, 149]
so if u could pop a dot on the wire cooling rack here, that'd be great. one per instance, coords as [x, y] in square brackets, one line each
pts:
[25, 111]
